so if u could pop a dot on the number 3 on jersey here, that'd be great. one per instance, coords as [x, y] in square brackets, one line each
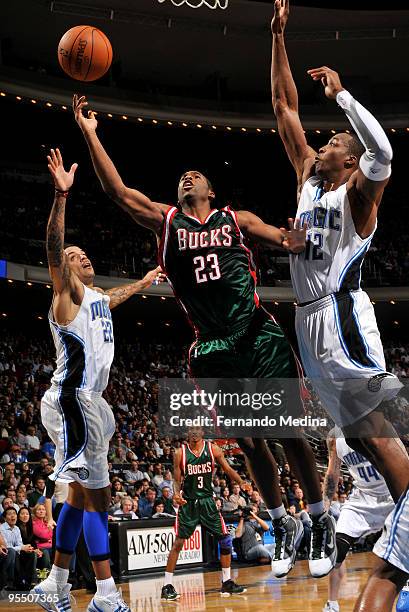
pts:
[202, 264]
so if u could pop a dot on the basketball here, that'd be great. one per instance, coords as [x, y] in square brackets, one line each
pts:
[85, 53]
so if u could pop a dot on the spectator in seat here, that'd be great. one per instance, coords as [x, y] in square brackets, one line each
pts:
[38, 495]
[228, 506]
[14, 542]
[146, 503]
[167, 481]
[43, 534]
[157, 475]
[168, 501]
[236, 497]
[159, 510]
[126, 507]
[134, 474]
[28, 560]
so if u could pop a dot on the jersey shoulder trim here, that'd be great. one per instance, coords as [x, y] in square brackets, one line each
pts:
[163, 243]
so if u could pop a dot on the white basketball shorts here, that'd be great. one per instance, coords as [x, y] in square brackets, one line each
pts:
[393, 545]
[80, 423]
[363, 514]
[342, 355]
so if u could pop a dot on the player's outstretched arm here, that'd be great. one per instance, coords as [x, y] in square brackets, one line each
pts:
[292, 239]
[333, 472]
[139, 206]
[120, 294]
[64, 281]
[227, 469]
[285, 99]
[366, 185]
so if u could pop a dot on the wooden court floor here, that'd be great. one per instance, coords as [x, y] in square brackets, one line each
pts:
[199, 591]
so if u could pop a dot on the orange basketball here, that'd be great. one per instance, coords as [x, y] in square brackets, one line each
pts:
[85, 53]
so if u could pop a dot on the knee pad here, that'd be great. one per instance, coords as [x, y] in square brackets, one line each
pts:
[226, 544]
[344, 543]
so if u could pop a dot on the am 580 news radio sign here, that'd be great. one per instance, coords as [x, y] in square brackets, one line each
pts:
[149, 548]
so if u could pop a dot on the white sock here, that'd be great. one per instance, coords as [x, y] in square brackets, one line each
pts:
[168, 578]
[226, 573]
[59, 575]
[334, 604]
[316, 509]
[277, 513]
[105, 587]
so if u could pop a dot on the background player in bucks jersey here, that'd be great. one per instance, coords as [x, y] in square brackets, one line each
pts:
[207, 257]
[77, 418]
[193, 468]
[339, 191]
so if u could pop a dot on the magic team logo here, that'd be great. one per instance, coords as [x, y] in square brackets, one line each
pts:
[83, 472]
[375, 383]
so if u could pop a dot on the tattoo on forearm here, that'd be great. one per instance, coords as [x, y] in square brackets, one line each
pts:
[121, 294]
[329, 487]
[55, 233]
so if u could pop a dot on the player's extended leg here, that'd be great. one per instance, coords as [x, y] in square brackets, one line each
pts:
[382, 447]
[323, 549]
[54, 590]
[381, 590]
[168, 590]
[344, 542]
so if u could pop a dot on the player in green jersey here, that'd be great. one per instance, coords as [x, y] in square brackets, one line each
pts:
[193, 467]
[206, 255]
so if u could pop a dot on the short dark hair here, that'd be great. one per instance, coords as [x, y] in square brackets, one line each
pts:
[10, 509]
[204, 176]
[355, 146]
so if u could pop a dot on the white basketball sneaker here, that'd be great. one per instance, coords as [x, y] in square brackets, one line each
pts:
[110, 603]
[323, 549]
[331, 606]
[51, 597]
[288, 532]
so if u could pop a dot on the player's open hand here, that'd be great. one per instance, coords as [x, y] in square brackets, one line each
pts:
[178, 499]
[89, 123]
[329, 78]
[62, 180]
[154, 277]
[295, 236]
[281, 12]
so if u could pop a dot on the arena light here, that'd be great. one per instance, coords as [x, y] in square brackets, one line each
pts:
[140, 119]
[30, 284]
[33, 101]
[2, 94]
[4, 314]
[154, 121]
[273, 130]
[144, 297]
[393, 130]
[275, 303]
[318, 131]
[258, 130]
[228, 128]
[40, 317]
[333, 132]
[167, 324]
[170, 123]
[198, 125]
[392, 302]
[48, 104]
[18, 98]
[373, 302]
[347, 131]
[110, 115]
[48, 286]
[396, 322]
[407, 129]
[184, 124]
[9, 280]
[214, 127]
[124, 117]
[139, 323]
[244, 129]
[163, 298]
[64, 107]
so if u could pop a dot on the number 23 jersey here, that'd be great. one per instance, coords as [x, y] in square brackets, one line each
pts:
[334, 252]
[211, 269]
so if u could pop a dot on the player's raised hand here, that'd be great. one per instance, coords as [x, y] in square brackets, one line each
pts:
[154, 277]
[295, 236]
[281, 12]
[329, 78]
[62, 180]
[89, 123]
[178, 499]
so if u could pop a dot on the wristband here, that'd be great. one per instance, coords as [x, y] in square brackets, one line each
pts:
[344, 99]
[61, 192]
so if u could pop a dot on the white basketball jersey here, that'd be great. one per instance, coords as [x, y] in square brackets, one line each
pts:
[366, 478]
[85, 347]
[334, 252]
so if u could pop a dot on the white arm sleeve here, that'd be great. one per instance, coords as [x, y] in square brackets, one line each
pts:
[375, 163]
